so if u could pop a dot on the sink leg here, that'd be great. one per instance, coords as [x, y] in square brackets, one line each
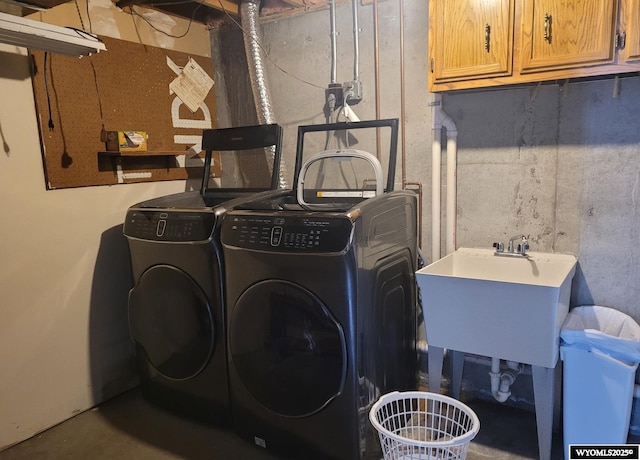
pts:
[435, 358]
[457, 365]
[544, 383]
[557, 412]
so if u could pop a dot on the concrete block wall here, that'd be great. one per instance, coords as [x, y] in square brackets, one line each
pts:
[559, 162]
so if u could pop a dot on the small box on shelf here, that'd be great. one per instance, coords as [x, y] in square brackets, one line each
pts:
[125, 141]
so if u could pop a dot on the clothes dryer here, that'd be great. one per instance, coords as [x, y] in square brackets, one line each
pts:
[176, 307]
[321, 302]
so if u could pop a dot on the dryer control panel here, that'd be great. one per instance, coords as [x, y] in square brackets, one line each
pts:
[284, 233]
[169, 225]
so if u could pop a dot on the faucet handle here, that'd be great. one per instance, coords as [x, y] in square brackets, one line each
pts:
[499, 247]
[523, 247]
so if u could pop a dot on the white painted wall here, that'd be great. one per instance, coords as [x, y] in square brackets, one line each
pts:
[64, 268]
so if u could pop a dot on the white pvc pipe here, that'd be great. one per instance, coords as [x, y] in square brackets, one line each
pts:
[436, 160]
[452, 189]
[442, 120]
[501, 381]
[497, 389]
[495, 365]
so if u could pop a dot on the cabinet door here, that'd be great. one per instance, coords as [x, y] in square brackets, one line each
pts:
[562, 34]
[470, 39]
[630, 28]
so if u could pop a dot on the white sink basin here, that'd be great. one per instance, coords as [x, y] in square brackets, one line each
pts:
[505, 307]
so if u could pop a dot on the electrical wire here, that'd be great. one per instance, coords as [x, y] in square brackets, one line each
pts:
[135, 13]
[244, 32]
[89, 16]
[193, 15]
[46, 89]
[95, 81]
[191, 19]
[78, 10]
[86, 34]
[82, 32]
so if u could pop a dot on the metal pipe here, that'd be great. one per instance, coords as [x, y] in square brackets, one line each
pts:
[356, 41]
[402, 97]
[376, 40]
[334, 52]
[418, 185]
[403, 147]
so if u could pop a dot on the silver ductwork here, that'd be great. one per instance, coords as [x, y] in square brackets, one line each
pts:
[250, 16]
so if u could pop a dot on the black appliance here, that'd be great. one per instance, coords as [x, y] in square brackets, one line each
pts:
[176, 307]
[321, 302]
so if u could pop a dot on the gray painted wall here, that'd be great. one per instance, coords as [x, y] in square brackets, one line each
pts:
[558, 162]
[562, 164]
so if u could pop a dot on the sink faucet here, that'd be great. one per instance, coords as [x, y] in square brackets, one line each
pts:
[521, 247]
[520, 250]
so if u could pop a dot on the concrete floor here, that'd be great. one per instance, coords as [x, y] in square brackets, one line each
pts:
[128, 427]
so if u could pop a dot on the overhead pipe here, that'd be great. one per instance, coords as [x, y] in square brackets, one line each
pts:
[249, 17]
[356, 41]
[334, 51]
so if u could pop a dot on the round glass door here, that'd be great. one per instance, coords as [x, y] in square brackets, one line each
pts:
[171, 320]
[287, 348]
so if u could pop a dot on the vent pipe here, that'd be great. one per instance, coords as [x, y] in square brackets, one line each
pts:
[250, 17]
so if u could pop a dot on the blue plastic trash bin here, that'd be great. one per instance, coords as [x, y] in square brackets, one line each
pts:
[600, 351]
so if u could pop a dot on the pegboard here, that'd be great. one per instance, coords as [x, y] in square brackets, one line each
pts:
[123, 88]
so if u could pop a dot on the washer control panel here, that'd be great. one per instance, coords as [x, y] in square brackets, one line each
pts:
[285, 233]
[169, 225]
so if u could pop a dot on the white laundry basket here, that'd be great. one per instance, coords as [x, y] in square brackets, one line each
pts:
[419, 425]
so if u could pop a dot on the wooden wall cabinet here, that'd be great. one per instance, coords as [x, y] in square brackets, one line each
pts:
[485, 43]
[473, 39]
[630, 30]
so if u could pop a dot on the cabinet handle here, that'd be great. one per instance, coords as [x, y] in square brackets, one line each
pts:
[487, 38]
[547, 27]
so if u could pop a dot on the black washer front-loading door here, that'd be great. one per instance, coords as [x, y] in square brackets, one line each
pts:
[171, 320]
[287, 348]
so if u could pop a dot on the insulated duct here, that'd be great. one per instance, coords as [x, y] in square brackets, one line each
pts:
[249, 17]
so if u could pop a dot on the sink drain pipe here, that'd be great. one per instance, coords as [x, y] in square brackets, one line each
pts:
[501, 381]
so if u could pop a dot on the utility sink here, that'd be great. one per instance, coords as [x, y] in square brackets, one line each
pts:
[499, 306]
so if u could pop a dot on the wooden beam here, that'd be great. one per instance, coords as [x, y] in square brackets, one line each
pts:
[226, 5]
[296, 3]
[305, 6]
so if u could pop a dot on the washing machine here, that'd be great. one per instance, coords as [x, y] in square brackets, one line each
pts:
[321, 303]
[176, 307]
